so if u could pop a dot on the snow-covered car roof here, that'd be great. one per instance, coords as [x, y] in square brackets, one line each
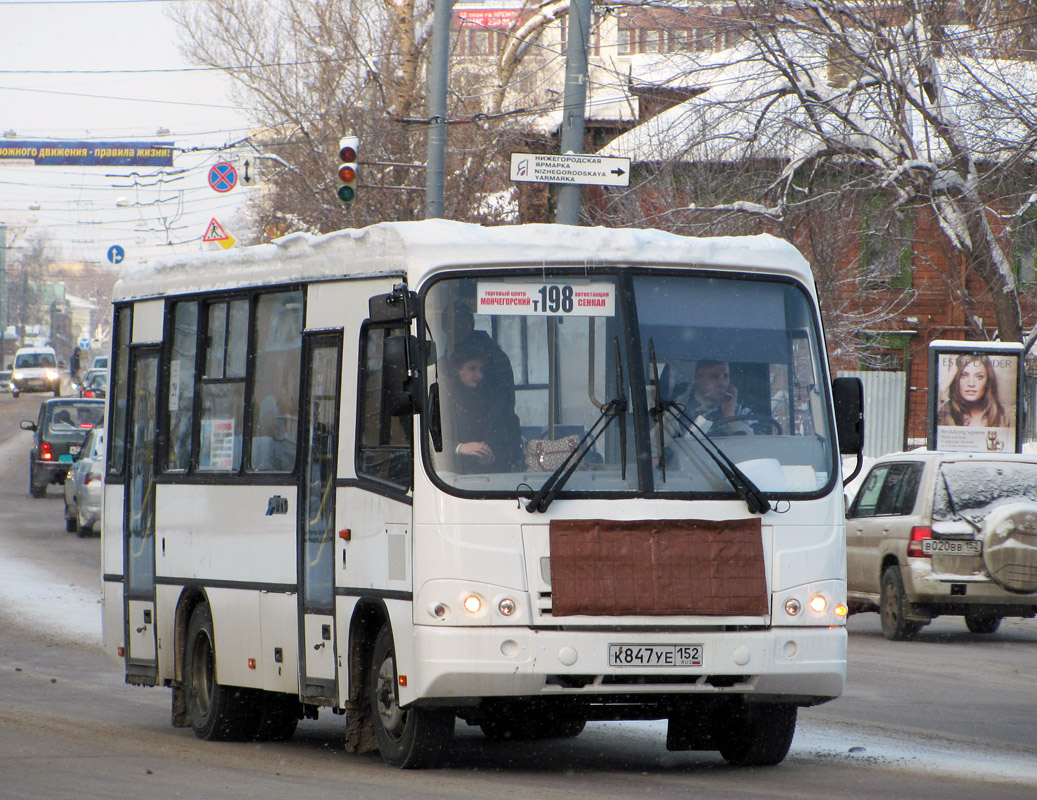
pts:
[947, 456]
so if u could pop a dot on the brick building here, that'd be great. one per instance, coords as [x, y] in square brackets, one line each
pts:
[889, 279]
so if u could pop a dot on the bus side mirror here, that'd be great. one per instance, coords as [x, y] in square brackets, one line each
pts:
[848, 394]
[399, 380]
[399, 305]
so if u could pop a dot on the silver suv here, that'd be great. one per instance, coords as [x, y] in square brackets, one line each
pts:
[944, 533]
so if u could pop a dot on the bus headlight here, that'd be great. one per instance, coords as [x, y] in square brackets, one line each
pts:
[819, 603]
[460, 602]
[506, 606]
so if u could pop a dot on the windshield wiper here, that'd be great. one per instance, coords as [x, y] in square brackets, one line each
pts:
[754, 498]
[954, 506]
[615, 408]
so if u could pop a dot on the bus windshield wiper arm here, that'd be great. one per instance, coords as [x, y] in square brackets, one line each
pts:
[752, 495]
[546, 494]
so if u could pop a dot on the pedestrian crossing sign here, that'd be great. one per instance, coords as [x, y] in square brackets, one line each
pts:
[216, 233]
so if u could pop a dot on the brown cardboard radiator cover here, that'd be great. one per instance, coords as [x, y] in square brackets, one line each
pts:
[685, 566]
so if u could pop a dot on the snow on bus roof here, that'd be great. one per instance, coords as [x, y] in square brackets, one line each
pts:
[416, 249]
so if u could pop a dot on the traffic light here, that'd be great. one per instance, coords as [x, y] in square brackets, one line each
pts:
[348, 149]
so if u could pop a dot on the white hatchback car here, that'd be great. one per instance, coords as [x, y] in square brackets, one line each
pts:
[84, 486]
[933, 533]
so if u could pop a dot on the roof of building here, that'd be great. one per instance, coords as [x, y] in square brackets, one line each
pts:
[987, 99]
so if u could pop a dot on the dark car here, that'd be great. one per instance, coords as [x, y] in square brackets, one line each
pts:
[95, 384]
[60, 431]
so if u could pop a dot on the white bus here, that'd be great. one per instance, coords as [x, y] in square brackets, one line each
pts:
[428, 471]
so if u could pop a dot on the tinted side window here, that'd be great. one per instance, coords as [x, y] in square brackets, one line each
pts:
[180, 398]
[903, 480]
[223, 387]
[275, 387]
[120, 388]
[384, 447]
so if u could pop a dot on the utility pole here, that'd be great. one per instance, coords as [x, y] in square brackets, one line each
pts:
[437, 86]
[574, 104]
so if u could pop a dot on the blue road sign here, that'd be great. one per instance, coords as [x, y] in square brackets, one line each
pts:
[116, 254]
[223, 177]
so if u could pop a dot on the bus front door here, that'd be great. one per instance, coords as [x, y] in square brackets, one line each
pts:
[139, 519]
[316, 523]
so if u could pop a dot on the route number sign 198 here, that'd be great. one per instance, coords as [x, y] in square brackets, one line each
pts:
[536, 299]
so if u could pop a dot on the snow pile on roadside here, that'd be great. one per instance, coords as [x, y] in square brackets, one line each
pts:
[31, 599]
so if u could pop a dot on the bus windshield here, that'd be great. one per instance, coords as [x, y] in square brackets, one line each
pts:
[659, 380]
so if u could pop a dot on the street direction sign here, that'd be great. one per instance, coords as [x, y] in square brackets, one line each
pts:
[116, 254]
[583, 169]
[223, 177]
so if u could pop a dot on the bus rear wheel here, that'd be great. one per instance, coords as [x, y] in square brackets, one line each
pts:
[217, 712]
[411, 738]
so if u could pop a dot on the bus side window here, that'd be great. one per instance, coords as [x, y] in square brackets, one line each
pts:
[384, 442]
[180, 397]
[275, 388]
[223, 386]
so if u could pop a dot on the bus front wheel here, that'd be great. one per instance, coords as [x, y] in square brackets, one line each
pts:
[411, 738]
[757, 735]
[217, 713]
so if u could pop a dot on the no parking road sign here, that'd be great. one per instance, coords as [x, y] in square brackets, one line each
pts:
[223, 177]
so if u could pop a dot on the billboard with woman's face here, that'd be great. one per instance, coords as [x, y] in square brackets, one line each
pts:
[974, 396]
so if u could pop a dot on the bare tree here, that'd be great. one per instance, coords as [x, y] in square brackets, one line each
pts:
[861, 98]
[311, 72]
[30, 270]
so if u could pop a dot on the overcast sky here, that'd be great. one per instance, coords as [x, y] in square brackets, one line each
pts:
[50, 55]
